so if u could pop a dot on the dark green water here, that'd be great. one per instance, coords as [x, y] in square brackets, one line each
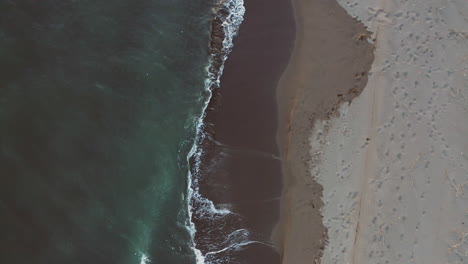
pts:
[98, 104]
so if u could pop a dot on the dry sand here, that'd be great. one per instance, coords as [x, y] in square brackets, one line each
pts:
[394, 164]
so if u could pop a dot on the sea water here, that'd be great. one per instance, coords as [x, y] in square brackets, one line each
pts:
[101, 107]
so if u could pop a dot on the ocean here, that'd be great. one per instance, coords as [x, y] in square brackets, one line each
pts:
[101, 110]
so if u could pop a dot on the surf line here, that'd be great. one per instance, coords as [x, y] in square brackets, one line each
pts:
[227, 18]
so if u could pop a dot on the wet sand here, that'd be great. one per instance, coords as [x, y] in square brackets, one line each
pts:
[241, 165]
[328, 67]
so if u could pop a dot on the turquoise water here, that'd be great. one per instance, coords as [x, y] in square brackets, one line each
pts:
[99, 102]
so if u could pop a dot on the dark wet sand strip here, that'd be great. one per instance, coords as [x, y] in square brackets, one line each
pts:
[241, 166]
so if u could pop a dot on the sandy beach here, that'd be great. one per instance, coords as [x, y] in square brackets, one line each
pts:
[328, 67]
[392, 165]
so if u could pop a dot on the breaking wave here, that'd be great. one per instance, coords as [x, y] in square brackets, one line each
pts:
[228, 16]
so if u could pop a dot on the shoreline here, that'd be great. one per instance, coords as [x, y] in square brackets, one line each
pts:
[240, 164]
[224, 26]
[328, 67]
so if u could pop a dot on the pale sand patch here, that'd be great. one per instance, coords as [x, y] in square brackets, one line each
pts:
[401, 196]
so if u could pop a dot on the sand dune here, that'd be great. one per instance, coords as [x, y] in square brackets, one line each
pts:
[394, 164]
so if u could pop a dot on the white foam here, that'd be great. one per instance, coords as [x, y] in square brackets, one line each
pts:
[233, 247]
[144, 259]
[236, 247]
[230, 25]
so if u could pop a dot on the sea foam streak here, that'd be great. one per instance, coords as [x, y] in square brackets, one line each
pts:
[144, 259]
[230, 25]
